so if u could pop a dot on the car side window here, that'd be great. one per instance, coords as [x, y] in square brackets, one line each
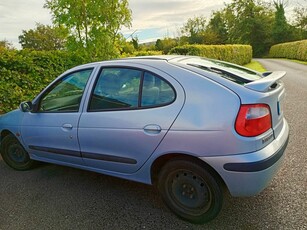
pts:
[156, 91]
[119, 88]
[116, 88]
[65, 95]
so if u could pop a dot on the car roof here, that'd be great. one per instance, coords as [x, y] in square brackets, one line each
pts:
[137, 59]
[187, 62]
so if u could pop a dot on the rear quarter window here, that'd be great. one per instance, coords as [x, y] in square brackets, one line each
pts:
[156, 91]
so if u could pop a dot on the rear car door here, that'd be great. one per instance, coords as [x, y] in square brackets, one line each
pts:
[129, 112]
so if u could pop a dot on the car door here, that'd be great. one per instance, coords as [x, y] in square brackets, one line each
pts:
[129, 112]
[50, 130]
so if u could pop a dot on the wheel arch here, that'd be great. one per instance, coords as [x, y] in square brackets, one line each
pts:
[164, 159]
[5, 133]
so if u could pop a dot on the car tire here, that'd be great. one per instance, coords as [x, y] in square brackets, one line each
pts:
[14, 154]
[190, 191]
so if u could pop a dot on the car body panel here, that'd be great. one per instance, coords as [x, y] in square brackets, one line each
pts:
[273, 98]
[11, 122]
[122, 141]
[126, 143]
[52, 135]
[250, 183]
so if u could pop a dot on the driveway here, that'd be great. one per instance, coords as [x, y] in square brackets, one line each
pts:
[55, 197]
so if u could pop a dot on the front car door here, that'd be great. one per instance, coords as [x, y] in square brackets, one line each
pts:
[50, 131]
[129, 112]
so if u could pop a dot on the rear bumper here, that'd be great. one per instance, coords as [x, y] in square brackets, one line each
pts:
[248, 174]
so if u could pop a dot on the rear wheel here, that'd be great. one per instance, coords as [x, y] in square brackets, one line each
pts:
[190, 191]
[14, 154]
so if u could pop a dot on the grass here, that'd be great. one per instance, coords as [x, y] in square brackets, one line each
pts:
[254, 65]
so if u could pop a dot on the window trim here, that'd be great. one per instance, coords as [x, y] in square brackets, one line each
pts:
[139, 106]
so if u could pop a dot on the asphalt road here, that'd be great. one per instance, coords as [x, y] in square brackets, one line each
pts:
[55, 197]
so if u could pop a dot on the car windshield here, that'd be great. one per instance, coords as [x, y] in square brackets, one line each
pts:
[230, 71]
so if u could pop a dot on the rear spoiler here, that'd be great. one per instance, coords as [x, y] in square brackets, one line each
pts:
[267, 82]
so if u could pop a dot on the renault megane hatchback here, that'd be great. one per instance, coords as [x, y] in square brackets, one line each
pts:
[189, 125]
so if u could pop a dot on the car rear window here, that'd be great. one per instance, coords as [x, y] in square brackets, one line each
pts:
[226, 70]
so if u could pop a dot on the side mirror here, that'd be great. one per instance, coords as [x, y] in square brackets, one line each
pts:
[26, 106]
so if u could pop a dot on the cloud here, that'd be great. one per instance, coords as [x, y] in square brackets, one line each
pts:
[164, 18]
[151, 18]
[18, 15]
[155, 18]
[150, 14]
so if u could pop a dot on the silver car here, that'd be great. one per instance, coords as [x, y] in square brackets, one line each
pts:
[191, 126]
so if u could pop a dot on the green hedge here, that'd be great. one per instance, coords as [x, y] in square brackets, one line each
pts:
[292, 50]
[23, 74]
[239, 54]
[142, 53]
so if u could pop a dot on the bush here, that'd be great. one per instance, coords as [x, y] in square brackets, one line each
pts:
[292, 50]
[23, 74]
[142, 53]
[239, 54]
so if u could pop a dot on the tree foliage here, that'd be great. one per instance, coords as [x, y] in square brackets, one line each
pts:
[44, 37]
[135, 42]
[249, 23]
[258, 23]
[4, 44]
[217, 25]
[166, 44]
[24, 73]
[300, 15]
[194, 29]
[94, 26]
[240, 22]
[281, 29]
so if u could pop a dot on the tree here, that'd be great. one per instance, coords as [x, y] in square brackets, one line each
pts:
[210, 37]
[127, 48]
[300, 16]
[166, 44]
[135, 43]
[4, 44]
[248, 22]
[194, 29]
[93, 25]
[44, 37]
[159, 44]
[281, 29]
[217, 25]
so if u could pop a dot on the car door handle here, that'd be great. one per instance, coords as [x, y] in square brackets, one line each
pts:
[67, 126]
[152, 129]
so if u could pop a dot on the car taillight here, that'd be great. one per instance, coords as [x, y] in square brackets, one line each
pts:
[253, 120]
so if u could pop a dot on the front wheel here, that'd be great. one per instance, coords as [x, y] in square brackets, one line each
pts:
[14, 154]
[190, 191]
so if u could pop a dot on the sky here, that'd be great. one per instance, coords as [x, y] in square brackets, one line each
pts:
[152, 19]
